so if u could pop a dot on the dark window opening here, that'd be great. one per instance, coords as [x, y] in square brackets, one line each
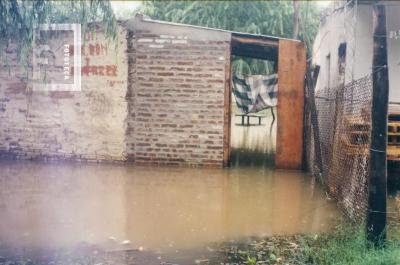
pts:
[342, 57]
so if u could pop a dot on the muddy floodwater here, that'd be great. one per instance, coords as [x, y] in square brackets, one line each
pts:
[61, 205]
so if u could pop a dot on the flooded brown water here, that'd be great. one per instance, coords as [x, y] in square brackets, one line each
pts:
[161, 209]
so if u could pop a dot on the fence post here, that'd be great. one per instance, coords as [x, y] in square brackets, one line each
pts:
[311, 81]
[377, 184]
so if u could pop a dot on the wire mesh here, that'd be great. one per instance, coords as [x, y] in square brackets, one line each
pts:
[344, 129]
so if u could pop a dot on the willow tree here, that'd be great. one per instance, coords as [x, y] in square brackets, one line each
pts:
[19, 18]
[273, 18]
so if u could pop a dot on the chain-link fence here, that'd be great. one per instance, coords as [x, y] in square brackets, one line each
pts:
[341, 126]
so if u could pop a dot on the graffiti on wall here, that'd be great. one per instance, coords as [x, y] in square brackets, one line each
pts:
[94, 53]
[89, 69]
[99, 70]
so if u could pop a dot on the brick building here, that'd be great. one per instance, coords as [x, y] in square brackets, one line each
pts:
[159, 94]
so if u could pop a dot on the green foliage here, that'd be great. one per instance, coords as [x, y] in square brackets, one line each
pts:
[248, 66]
[348, 246]
[258, 17]
[19, 18]
[251, 260]
[84, 12]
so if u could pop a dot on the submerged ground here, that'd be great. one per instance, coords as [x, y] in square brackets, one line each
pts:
[72, 213]
[175, 213]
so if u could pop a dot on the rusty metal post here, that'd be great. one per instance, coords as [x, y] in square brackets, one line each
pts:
[377, 182]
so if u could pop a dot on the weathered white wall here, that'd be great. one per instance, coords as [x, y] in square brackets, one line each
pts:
[89, 124]
[326, 43]
[332, 33]
[393, 42]
[363, 42]
[335, 30]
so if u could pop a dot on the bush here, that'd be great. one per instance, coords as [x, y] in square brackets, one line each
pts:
[347, 246]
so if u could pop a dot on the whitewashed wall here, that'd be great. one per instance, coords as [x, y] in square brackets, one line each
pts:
[332, 33]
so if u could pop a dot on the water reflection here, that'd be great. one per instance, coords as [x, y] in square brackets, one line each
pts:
[161, 209]
[254, 145]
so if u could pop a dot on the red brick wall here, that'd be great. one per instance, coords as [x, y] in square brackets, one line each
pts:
[165, 106]
[178, 95]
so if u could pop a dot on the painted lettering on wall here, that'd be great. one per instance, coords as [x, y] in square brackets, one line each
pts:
[111, 83]
[93, 53]
[100, 70]
[96, 70]
[91, 49]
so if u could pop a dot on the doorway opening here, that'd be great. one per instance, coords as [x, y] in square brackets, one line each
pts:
[272, 59]
[253, 112]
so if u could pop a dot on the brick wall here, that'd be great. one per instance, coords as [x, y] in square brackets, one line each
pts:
[163, 105]
[85, 125]
[178, 94]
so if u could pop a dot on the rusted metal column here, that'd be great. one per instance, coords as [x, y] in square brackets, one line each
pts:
[377, 182]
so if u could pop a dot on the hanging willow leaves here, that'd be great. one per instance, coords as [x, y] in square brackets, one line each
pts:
[258, 17]
[19, 19]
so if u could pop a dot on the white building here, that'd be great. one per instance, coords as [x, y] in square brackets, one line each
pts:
[343, 47]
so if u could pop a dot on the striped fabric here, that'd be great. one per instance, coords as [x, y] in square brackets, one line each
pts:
[255, 92]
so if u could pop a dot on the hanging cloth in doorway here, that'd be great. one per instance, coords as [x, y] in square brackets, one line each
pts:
[254, 93]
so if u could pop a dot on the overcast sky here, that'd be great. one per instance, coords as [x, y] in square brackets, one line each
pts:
[121, 7]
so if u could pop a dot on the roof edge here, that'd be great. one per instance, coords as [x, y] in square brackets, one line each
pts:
[147, 19]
